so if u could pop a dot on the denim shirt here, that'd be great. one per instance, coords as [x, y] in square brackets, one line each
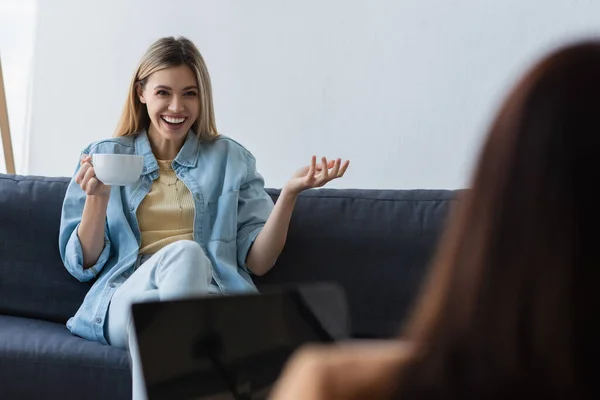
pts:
[231, 207]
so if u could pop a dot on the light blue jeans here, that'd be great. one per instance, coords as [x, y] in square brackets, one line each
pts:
[179, 270]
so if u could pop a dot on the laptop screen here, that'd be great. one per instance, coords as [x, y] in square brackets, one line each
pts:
[232, 346]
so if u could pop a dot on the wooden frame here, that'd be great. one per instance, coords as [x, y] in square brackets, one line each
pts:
[5, 128]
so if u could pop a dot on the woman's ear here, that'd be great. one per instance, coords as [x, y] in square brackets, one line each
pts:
[140, 93]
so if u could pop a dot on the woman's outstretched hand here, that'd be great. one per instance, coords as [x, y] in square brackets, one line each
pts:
[271, 239]
[316, 174]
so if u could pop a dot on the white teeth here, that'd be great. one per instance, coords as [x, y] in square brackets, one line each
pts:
[173, 120]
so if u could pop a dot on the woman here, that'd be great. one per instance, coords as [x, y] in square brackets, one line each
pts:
[197, 222]
[510, 306]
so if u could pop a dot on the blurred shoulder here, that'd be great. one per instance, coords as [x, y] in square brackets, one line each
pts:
[356, 369]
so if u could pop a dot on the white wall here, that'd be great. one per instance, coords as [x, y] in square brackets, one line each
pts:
[17, 20]
[404, 89]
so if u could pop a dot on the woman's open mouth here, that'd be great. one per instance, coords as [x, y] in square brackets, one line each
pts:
[173, 122]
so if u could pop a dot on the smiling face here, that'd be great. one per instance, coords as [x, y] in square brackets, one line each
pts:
[171, 98]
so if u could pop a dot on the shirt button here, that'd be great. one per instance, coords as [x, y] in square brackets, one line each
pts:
[144, 169]
[131, 208]
[98, 320]
[198, 196]
[112, 285]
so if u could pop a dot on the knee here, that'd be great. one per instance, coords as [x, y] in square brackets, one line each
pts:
[186, 246]
[188, 250]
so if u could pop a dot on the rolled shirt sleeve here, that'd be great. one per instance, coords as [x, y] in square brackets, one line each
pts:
[254, 207]
[69, 243]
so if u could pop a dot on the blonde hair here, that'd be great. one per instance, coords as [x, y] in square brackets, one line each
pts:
[169, 52]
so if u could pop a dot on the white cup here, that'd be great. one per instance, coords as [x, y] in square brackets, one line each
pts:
[117, 169]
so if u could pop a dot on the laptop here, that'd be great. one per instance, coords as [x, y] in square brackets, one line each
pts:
[233, 347]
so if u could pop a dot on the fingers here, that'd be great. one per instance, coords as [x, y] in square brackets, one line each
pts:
[324, 171]
[343, 169]
[309, 177]
[335, 169]
[335, 165]
[339, 169]
[86, 176]
[89, 179]
[312, 167]
[86, 158]
[85, 166]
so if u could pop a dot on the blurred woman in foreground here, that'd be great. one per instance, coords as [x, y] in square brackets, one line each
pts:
[509, 308]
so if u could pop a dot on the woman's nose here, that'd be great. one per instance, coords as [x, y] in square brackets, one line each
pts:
[176, 105]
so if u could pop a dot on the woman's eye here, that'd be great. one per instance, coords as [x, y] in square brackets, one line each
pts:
[191, 94]
[162, 93]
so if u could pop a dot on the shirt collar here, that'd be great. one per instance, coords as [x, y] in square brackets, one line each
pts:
[187, 156]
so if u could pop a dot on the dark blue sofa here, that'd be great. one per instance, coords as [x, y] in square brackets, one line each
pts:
[375, 243]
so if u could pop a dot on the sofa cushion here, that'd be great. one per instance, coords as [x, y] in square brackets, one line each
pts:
[46, 355]
[375, 243]
[33, 281]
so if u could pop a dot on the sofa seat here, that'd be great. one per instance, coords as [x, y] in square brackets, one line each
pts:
[52, 360]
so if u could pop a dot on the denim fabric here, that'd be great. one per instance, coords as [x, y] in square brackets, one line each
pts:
[231, 207]
[178, 270]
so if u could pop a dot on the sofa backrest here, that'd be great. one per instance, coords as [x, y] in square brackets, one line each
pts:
[33, 281]
[375, 243]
